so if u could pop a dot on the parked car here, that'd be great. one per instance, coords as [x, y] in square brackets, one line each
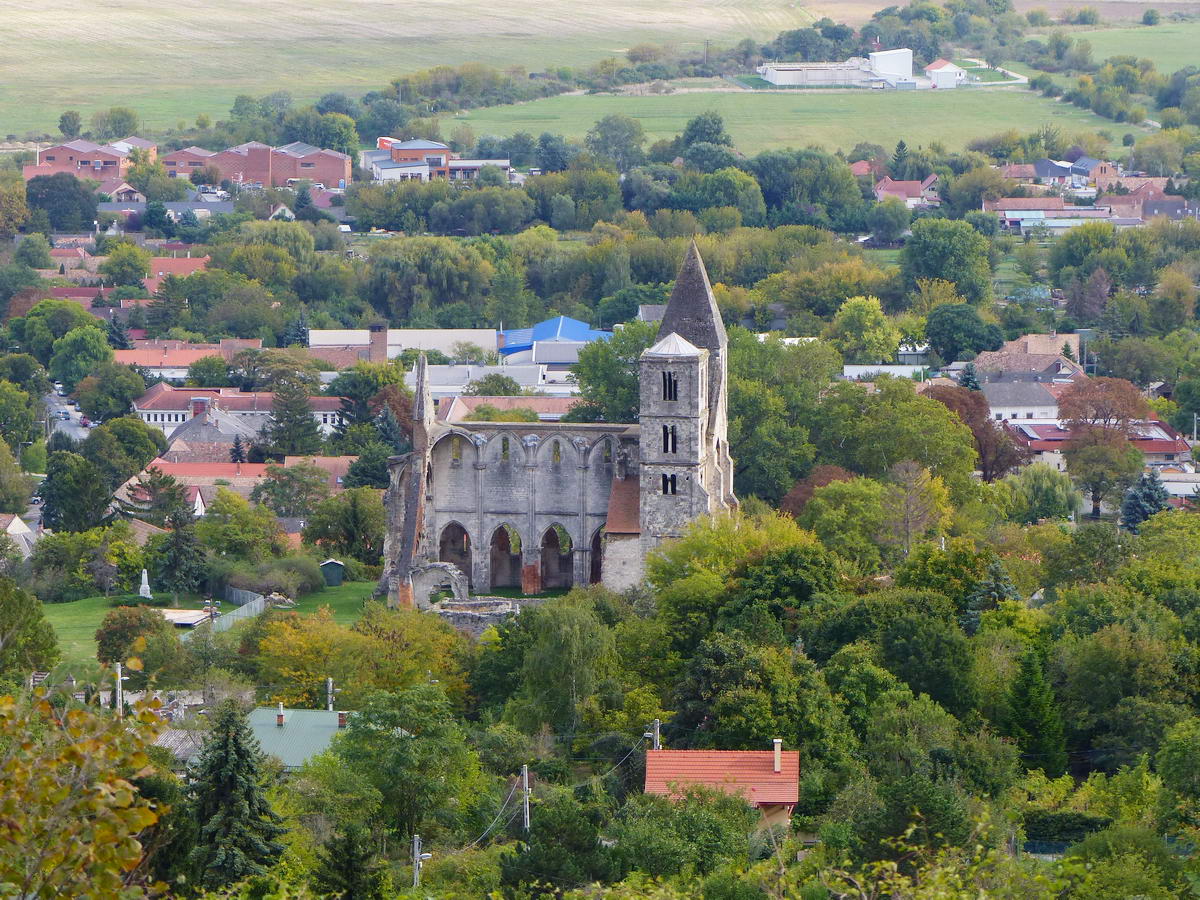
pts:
[64, 415]
[85, 421]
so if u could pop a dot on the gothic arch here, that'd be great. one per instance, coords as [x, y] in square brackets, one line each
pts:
[454, 546]
[557, 558]
[504, 557]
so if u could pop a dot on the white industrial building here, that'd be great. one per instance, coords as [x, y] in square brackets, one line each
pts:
[884, 68]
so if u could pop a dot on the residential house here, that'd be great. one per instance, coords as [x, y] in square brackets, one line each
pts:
[868, 168]
[1159, 443]
[423, 160]
[342, 347]
[1147, 201]
[1049, 171]
[1018, 214]
[208, 436]
[944, 74]
[179, 266]
[336, 468]
[120, 191]
[769, 780]
[915, 194]
[1020, 398]
[19, 532]
[1021, 173]
[293, 736]
[255, 163]
[167, 407]
[86, 159]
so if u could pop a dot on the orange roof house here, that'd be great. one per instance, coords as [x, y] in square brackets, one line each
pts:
[769, 780]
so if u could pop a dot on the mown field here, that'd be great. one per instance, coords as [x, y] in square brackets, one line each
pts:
[1172, 45]
[171, 62]
[832, 119]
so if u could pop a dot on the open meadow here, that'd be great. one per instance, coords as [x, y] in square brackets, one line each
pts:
[1172, 45]
[832, 119]
[171, 63]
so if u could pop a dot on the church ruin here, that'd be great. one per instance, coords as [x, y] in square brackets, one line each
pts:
[535, 506]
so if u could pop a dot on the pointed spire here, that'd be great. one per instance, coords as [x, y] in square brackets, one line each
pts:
[692, 310]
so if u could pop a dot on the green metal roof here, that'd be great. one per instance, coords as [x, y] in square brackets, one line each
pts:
[304, 733]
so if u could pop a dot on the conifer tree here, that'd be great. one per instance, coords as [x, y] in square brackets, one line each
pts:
[180, 556]
[1033, 719]
[293, 430]
[1144, 499]
[390, 431]
[238, 830]
[989, 592]
[969, 379]
[296, 333]
[118, 335]
[347, 867]
[237, 453]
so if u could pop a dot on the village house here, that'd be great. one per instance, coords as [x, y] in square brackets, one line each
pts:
[86, 159]
[423, 160]
[915, 194]
[944, 74]
[769, 780]
[171, 359]
[255, 163]
[167, 407]
[1158, 442]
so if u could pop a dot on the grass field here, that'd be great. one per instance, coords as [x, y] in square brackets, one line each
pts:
[1172, 45]
[76, 623]
[833, 119]
[171, 62]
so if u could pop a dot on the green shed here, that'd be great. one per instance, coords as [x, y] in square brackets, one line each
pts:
[334, 571]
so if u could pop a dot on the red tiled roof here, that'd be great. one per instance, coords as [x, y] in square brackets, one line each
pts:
[153, 359]
[336, 467]
[177, 265]
[166, 397]
[938, 64]
[624, 507]
[749, 773]
[888, 185]
[1025, 203]
[209, 469]
[1019, 170]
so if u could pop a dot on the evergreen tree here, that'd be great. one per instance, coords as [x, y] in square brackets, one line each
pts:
[989, 592]
[969, 379]
[1145, 498]
[1033, 719]
[296, 333]
[347, 867]
[159, 499]
[293, 431]
[390, 431]
[899, 160]
[239, 831]
[179, 558]
[118, 335]
[371, 467]
[237, 453]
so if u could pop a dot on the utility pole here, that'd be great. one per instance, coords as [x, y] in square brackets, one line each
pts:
[329, 694]
[418, 858]
[655, 734]
[119, 694]
[525, 798]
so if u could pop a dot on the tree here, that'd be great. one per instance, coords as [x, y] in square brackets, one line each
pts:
[34, 251]
[1144, 499]
[862, 332]
[1034, 721]
[70, 123]
[1087, 299]
[74, 494]
[997, 451]
[371, 467]
[233, 527]
[350, 523]
[619, 138]
[118, 634]
[919, 504]
[408, 745]
[76, 353]
[933, 657]
[17, 417]
[1041, 492]
[347, 867]
[607, 374]
[239, 832]
[209, 371]
[1102, 462]
[68, 204]
[954, 251]
[237, 451]
[994, 588]
[178, 558]
[888, 219]
[292, 491]
[27, 641]
[159, 497]
[955, 329]
[109, 390]
[390, 430]
[1151, 17]
[120, 448]
[15, 486]
[127, 264]
[71, 817]
[567, 852]
[494, 385]
[292, 430]
[1106, 403]
[848, 517]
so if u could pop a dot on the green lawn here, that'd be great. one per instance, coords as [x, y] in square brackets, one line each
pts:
[760, 120]
[1171, 45]
[171, 62]
[345, 601]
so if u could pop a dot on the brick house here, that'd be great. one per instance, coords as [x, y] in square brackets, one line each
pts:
[86, 159]
[257, 163]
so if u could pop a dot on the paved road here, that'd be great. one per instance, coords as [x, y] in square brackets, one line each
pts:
[56, 405]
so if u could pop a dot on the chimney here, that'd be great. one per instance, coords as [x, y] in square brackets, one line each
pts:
[341, 719]
[279, 717]
[778, 742]
[377, 344]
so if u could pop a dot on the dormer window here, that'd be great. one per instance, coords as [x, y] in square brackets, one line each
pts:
[670, 386]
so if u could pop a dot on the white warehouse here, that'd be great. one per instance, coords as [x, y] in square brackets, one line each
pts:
[885, 68]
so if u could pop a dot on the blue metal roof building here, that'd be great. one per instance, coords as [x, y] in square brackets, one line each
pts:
[560, 329]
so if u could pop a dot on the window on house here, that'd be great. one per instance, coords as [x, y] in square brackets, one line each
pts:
[999, 416]
[304, 165]
[504, 449]
[1029, 415]
[48, 158]
[670, 386]
[555, 453]
[670, 443]
[668, 484]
